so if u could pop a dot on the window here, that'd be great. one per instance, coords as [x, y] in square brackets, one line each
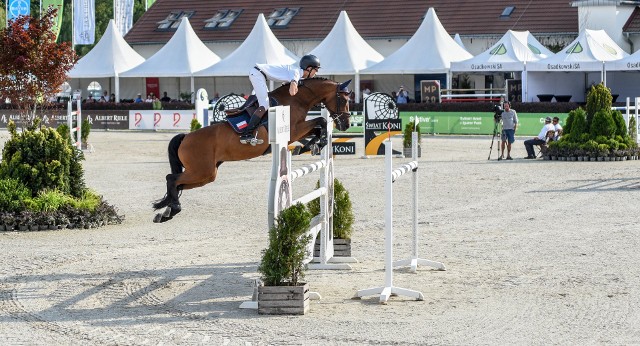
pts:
[222, 20]
[507, 12]
[281, 17]
[173, 20]
[95, 90]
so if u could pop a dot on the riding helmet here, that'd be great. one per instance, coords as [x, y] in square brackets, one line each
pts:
[309, 60]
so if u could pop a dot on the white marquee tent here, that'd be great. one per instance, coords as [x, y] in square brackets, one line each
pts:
[430, 50]
[110, 57]
[622, 76]
[345, 52]
[510, 54]
[458, 40]
[182, 56]
[260, 46]
[583, 58]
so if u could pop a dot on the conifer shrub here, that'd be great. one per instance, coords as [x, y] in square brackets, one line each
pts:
[282, 262]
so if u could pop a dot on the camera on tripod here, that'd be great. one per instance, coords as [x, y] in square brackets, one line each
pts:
[497, 113]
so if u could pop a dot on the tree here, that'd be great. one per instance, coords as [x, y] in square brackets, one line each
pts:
[32, 65]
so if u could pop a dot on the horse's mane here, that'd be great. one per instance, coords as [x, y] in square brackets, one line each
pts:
[283, 90]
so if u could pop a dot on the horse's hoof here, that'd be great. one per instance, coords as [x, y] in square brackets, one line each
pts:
[159, 218]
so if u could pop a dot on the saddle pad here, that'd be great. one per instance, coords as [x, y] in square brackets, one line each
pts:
[240, 122]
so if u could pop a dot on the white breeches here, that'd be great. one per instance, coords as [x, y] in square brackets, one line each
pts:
[259, 84]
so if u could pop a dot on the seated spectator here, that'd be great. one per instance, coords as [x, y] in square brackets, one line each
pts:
[558, 128]
[215, 98]
[540, 139]
[156, 104]
[138, 99]
[149, 99]
[102, 99]
[105, 94]
[112, 98]
[165, 98]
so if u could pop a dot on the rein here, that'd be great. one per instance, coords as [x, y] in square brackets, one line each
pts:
[335, 116]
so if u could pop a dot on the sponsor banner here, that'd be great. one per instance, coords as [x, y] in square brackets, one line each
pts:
[84, 21]
[476, 123]
[99, 120]
[124, 15]
[17, 8]
[161, 119]
[57, 23]
[344, 148]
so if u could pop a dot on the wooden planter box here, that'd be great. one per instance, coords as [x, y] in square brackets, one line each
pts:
[341, 247]
[283, 300]
[407, 152]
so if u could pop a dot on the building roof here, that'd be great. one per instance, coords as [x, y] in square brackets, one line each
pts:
[371, 18]
[633, 23]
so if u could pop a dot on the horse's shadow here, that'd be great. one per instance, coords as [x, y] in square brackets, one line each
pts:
[144, 296]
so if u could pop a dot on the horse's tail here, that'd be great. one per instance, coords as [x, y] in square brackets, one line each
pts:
[176, 167]
[174, 160]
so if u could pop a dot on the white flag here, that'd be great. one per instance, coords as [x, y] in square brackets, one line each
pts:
[84, 18]
[124, 15]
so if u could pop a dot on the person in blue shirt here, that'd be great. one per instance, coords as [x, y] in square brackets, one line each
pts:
[259, 74]
[138, 99]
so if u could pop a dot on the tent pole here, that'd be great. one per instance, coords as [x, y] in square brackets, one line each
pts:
[193, 100]
[117, 92]
[357, 99]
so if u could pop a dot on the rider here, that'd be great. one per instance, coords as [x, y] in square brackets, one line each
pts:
[259, 74]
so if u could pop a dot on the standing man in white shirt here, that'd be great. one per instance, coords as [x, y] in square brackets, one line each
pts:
[259, 74]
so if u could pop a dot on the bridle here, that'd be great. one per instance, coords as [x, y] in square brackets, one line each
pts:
[336, 116]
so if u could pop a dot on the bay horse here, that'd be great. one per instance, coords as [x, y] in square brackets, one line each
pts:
[195, 157]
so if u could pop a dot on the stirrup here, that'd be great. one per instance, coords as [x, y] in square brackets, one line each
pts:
[253, 140]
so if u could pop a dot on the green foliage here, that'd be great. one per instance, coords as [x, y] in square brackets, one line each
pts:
[603, 124]
[85, 129]
[12, 194]
[343, 217]
[406, 135]
[578, 124]
[598, 99]
[633, 129]
[64, 132]
[42, 160]
[621, 125]
[195, 125]
[283, 261]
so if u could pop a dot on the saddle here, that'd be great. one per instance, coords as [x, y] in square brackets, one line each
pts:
[249, 106]
[239, 118]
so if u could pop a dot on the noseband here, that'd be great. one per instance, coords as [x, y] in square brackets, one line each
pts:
[335, 115]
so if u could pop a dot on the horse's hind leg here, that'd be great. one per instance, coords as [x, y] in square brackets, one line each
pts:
[171, 201]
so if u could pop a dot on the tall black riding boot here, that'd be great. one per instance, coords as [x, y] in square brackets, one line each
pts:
[256, 117]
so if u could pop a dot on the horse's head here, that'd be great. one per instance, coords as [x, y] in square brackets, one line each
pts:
[337, 103]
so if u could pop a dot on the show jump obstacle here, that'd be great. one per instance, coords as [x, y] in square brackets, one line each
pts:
[77, 142]
[390, 177]
[281, 192]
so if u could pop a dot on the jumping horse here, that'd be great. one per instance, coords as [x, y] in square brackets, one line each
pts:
[195, 157]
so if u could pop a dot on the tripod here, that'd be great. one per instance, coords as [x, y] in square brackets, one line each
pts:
[497, 131]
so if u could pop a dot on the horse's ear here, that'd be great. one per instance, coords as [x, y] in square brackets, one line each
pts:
[344, 87]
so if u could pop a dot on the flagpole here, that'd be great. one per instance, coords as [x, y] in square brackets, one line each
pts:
[73, 27]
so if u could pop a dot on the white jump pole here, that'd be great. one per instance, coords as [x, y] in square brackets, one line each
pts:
[414, 261]
[388, 289]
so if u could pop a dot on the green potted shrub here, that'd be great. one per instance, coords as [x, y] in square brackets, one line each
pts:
[343, 219]
[283, 263]
[195, 125]
[84, 134]
[407, 137]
